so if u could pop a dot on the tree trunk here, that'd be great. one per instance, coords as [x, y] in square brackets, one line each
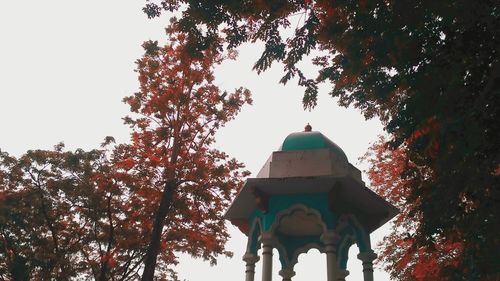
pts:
[154, 244]
[105, 265]
[19, 269]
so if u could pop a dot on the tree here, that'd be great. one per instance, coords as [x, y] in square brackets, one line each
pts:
[63, 216]
[112, 240]
[428, 69]
[183, 182]
[102, 214]
[36, 221]
[401, 255]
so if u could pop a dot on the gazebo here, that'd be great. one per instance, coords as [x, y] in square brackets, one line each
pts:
[307, 195]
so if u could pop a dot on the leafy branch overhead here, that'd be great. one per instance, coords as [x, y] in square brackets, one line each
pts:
[430, 70]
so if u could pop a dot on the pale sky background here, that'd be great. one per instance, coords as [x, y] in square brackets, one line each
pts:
[65, 65]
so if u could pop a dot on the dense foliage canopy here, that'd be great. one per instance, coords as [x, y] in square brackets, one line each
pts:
[182, 180]
[64, 215]
[402, 256]
[124, 210]
[429, 70]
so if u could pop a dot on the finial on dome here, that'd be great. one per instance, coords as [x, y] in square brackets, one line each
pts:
[307, 128]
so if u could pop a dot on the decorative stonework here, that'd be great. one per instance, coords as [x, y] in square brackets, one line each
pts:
[250, 260]
[287, 274]
[307, 196]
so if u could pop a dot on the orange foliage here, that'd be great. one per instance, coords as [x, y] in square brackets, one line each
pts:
[401, 254]
[179, 109]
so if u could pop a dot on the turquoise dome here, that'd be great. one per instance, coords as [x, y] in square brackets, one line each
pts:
[310, 140]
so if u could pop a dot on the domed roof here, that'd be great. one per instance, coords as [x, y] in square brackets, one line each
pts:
[309, 140]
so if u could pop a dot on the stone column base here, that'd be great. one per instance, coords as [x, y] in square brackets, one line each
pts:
[287, 274]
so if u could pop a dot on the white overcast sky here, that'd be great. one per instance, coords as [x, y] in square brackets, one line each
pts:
[65, 65]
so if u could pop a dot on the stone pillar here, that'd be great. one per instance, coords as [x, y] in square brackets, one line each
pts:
[367, 259]
[250, 260]
[330, 240]
[287, 274]
[342, 274]
[267, 256]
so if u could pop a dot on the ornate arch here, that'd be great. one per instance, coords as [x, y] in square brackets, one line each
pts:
[343, 250]
[294, 208]
[362, 238]
[289, 255]
[302, 250]
[253, 243]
